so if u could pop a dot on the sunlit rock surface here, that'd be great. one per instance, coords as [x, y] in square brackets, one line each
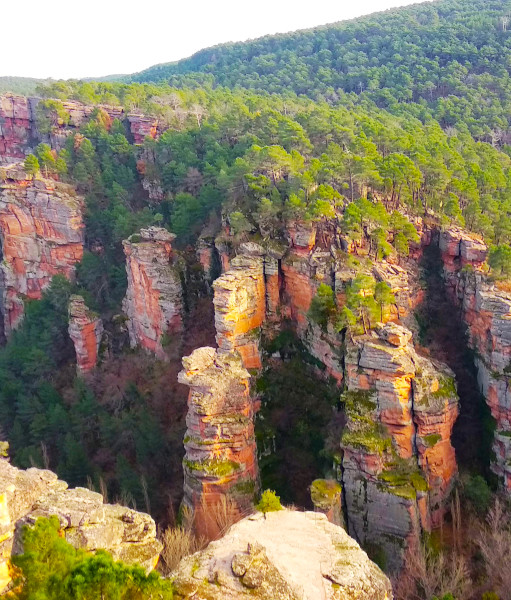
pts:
[85, 521]
[285, 555]
[41, 235]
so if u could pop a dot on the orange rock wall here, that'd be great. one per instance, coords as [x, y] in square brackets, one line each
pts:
[41, 235]
[19, 134]
[486, 310]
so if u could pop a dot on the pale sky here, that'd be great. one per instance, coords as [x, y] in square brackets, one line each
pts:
[65, 39]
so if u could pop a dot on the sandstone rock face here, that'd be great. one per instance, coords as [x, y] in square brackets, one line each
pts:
[221, 459]
[142, 126]
[154, 298]
[15, 127]
[286, 555]
[85, 521]
[487, 312]
[86, 331]
[240, 308]
[41, 235]
[398, 463]
[19, 133]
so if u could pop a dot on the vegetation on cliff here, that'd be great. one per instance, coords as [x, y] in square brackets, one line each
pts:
[51, 569]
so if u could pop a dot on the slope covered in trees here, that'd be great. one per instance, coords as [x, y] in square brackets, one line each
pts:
[449, 58]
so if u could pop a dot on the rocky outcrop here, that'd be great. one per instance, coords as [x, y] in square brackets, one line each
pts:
[220, 462]
[15, 127]
[284, 555]
[486, 310]
[398, 463]
[86, 330]
[19, 133]
[41, 235]
[85, 521]
[240, 308]
[154, 299]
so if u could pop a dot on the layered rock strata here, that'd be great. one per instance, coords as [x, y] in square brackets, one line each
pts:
[154, 299]
[285, 555]
[85, 330]
[220, 465]
[41, 235]
[85, 521]
[240, 308]
[398, 462]
[15, 127]
[486, 310]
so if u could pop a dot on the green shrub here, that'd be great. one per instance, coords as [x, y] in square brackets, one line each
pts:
[269, 502]
[478, 493]
[52, 568]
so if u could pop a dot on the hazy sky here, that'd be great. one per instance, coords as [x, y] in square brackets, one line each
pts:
[64, 39]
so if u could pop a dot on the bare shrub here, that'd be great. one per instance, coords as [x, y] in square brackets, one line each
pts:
[494, 541]
[178, 542]
[218, 517]
[427, 574]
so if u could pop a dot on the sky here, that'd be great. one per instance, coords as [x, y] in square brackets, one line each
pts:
[63, 39]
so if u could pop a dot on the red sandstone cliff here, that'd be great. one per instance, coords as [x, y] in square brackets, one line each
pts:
[19, 133]
[153, 303]
[41, 235]
[486, 310]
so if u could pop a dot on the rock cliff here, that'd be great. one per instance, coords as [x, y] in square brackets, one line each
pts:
[41, 235]
[486, 310]
[154, 299]
[86, 522]
[398, 463]
[19, 133]
[15, 127]
[220, 462]
[284, 555]
[86, 331]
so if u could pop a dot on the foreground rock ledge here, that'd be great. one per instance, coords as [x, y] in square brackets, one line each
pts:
[86, 522]
[286, 555]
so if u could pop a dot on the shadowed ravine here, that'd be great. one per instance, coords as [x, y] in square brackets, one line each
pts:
[443, 333]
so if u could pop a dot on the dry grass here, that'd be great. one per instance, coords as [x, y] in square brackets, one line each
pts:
[178, 542]
[494, 541]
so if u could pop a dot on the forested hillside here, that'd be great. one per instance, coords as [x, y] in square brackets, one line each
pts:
[448, 58]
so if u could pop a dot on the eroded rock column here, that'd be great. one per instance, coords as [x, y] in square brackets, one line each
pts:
[86, 330]
[154, 298]
[220, 465]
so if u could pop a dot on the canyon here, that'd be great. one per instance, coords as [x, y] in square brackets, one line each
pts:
[395, 463]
